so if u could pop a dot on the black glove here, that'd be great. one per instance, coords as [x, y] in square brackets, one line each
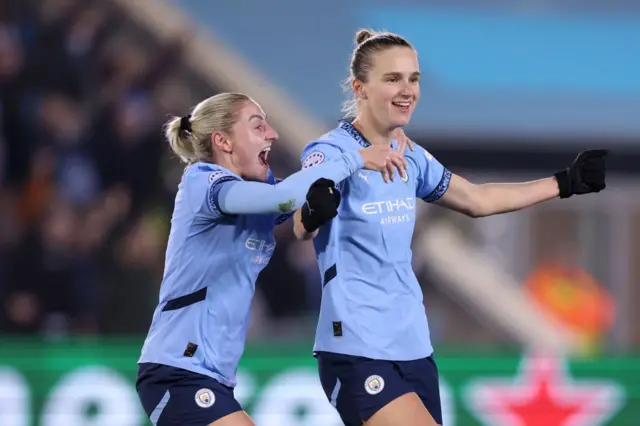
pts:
[321, 206]
[585, 175]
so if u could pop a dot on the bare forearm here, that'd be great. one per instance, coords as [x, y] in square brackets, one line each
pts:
[497, 198]
[298, 228]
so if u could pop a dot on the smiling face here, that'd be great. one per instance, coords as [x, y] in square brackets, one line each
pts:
[249, 142]
[392, 87]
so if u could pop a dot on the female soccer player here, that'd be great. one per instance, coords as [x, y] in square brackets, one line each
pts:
[226, 208]
[373, 347]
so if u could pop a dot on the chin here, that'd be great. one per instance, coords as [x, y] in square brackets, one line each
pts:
[400, 122]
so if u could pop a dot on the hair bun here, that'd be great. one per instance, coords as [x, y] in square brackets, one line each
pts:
[363, 35]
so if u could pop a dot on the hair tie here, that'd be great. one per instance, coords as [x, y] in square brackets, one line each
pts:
[185, 124]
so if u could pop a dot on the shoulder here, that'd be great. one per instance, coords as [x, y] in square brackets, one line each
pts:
[329, 145]
[208, 173]
[419, 156]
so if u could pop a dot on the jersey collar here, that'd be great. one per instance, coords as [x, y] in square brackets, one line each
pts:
[355, 133]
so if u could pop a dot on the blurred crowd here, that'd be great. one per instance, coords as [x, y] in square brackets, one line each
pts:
[87, 181]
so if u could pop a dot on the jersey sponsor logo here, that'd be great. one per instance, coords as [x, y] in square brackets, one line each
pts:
[259, 245]
[374, 384]
[264, 248]
[389, 206]
[205, 398]
[391, 212]
[313, 159]
[364, 177]
[214, 176]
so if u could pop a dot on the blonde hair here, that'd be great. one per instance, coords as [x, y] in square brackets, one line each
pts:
[190, 136]
[368, 43]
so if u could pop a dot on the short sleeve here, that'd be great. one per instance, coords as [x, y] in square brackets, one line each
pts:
[203, 187]
[433, 178]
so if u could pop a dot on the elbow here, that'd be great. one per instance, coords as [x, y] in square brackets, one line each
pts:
[473, 214]
[477, 211]
[477, 207]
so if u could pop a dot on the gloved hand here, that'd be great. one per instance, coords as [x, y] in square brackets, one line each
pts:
[321, 206]
[585, 175]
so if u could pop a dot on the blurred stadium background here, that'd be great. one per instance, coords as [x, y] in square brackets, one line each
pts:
[532, 314]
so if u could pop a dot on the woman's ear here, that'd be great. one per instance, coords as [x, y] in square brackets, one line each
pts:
[358, 89]
[221, 142]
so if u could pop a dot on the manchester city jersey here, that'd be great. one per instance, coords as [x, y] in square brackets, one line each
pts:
[372, 303]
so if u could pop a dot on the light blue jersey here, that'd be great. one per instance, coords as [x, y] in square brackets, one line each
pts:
[372, 302]
[221, 238]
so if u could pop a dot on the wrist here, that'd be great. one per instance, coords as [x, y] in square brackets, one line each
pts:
[564, 183]
[307, 219]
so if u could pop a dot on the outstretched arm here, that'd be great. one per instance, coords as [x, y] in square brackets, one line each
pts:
[240, 197]
[585, 175]
[496, 198]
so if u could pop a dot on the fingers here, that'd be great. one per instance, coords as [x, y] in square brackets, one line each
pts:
[323, 182]
[405, 143]
[398, 162]
[593, 155]
[390, 166]
[400, 165]
[386, 160]
[385, 175]
[394, 161]
[403, 140]
[593, 169]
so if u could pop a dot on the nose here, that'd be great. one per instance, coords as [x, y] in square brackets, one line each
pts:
[271, 134]
[406, 90]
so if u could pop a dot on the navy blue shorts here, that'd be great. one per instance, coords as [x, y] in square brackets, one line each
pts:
[173, 396]
[358, 387]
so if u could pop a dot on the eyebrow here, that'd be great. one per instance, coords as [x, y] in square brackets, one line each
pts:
[258, 116]
[396, 73]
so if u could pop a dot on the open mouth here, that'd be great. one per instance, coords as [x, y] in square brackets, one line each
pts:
[402, 106]
[264, 155]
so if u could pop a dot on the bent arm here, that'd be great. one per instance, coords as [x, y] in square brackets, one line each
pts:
[240, 197]
[298, 228]
[496, 198]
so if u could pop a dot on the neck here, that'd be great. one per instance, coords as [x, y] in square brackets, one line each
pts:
[225, 160]
[372, 131]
